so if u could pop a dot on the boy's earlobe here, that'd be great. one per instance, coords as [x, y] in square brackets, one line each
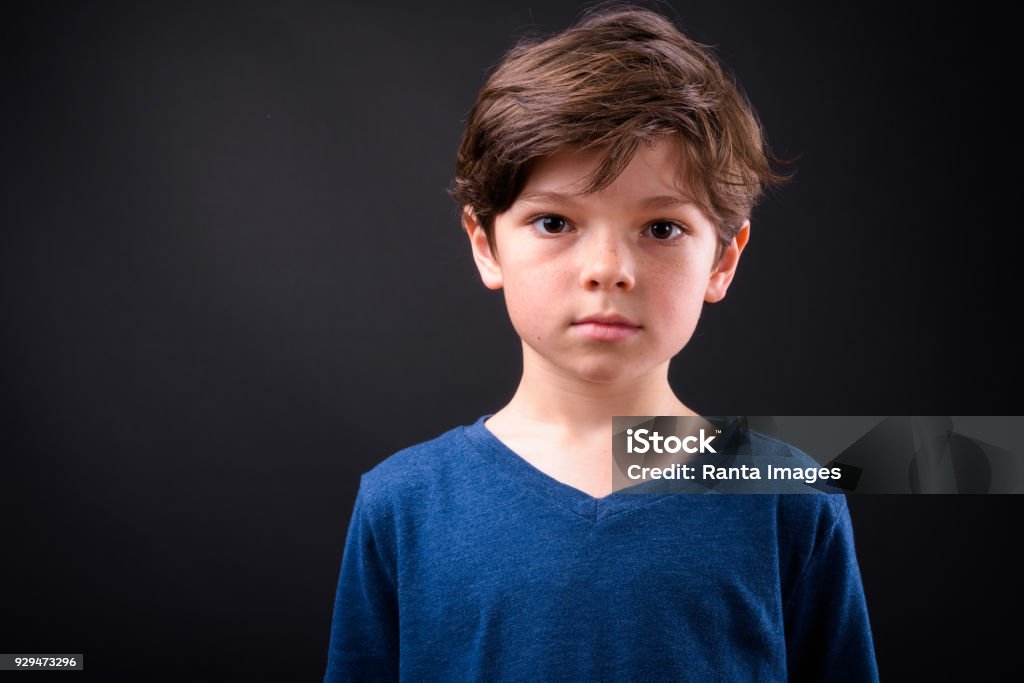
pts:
[725, 269]
[486, 261]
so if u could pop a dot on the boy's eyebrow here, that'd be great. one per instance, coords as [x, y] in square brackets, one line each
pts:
[658, 202]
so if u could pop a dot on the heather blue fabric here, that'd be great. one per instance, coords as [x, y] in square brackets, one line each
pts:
[465, 562]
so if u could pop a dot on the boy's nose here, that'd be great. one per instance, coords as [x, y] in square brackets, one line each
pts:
[607, 265]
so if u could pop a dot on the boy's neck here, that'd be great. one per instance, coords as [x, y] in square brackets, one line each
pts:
[556, 399]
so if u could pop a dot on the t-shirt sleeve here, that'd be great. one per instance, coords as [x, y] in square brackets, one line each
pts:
[828, 635]
[364, 628]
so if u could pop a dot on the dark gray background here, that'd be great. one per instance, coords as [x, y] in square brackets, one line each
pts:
[232, 281]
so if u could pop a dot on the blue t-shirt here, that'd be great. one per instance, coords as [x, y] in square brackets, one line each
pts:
[465, 562]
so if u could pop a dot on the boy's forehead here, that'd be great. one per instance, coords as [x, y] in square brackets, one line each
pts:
[657, 168]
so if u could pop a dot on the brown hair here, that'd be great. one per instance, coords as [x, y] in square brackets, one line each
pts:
[621, 76]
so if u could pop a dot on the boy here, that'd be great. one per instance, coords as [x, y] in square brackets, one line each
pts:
[606, 175]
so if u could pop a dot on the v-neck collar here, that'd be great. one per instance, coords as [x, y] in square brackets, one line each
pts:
[560, 493]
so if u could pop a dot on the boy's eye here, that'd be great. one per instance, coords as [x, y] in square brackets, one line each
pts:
[664, 230]
[551, 225]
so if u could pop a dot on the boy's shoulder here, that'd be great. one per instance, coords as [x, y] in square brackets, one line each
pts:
[804, 523]
[418, 469]
[825, 509]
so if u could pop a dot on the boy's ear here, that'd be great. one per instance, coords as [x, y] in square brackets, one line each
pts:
[486, 260]
[725, 269]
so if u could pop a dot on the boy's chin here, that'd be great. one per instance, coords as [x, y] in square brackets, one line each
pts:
[606, 373]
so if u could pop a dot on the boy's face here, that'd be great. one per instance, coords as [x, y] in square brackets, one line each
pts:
[642, 269]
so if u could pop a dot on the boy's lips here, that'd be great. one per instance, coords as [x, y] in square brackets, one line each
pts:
[606, 319]
[606, 327]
